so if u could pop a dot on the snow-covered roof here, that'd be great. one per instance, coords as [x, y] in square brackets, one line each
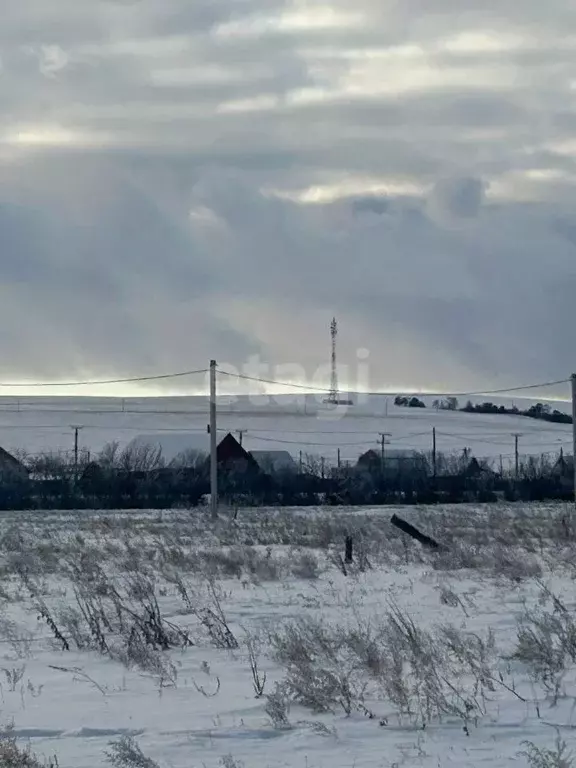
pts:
[275, 460]
[173, 444]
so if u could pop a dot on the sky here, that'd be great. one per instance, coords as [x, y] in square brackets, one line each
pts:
[182, 181]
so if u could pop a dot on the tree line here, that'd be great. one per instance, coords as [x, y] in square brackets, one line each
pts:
[541, 411]
[139, 478]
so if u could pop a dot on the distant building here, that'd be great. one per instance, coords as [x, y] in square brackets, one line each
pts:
[274, 461]
[184, 449]
[396, 461]
[475, 469]
[11, 467]
[369, 461]
[232, 456]
[563, 471]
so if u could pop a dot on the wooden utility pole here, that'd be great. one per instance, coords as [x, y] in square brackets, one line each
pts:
[434, 451]
[383, 436]
[213, 445]
[516, 455]
[240, 433]
[339, 461]
[76, 431]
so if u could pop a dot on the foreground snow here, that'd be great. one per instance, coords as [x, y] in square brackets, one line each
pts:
[204, 710]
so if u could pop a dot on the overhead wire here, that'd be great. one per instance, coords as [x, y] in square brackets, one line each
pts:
[253, 433]
[96, 382]
[309, 387]
[326, 445]
[263, 380]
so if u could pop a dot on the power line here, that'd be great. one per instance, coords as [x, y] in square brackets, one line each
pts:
[309, 387]
[474, 438]
[414, 434]
[480, 438]
[131, 379]
[262, 380]
[299, 442]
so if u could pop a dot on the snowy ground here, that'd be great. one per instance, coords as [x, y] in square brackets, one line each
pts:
[406, 658]
[294, 424]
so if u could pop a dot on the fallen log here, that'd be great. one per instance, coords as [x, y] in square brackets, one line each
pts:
[426, 541]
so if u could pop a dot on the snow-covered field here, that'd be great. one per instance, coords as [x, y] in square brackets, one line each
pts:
[293, 424]
[249, 642]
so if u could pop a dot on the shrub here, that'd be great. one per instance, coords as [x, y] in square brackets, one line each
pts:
[126, 753]
[12, 756]
[321, 673]
[537, 757]
[546, 644]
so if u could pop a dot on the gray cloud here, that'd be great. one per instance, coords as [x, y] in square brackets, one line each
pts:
[180, 181]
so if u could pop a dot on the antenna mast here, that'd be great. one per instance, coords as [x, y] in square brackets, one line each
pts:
[334, 395]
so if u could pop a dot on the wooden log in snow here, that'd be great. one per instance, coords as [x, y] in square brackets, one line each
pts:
[349, 547]
[426, 541]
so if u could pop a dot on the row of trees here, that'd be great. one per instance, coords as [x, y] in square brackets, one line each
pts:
[541, 411]
[139, 478]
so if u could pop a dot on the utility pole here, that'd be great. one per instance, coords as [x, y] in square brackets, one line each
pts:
[434, 451]
[383, 436]
[76, 430]
[213, 445]
[240, 433]
[339, 461]
[516, 455]
[573, 381]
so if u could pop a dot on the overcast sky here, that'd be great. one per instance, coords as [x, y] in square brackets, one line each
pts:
[187, 179]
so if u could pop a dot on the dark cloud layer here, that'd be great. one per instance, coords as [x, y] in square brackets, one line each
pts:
[181, 181]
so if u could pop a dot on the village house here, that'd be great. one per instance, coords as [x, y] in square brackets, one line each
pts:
[274, 461]
[10, 467]
[563, 471]
[395, 461]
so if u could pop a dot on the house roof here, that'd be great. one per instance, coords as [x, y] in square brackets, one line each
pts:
[397, 454]
[274, 459]
[7, 460]
[195, 444]
[369, 454]
[565, 463]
